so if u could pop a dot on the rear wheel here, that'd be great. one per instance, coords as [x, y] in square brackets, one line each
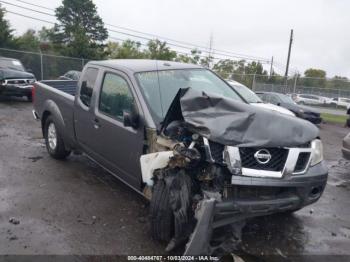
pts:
[53, 140]
[162, 218]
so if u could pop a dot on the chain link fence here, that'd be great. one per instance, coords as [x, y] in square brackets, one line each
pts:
[44, 66]
[326, 87]
[49, 66]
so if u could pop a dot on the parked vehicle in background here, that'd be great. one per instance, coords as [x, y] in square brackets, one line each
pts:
[307, 99]
[341, 102]
[255, 100]
[71, 75]
[14, 80]
[285, 101]
[198, 150]
[346, 147]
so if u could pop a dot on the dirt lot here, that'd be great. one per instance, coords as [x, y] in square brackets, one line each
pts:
[74, 207]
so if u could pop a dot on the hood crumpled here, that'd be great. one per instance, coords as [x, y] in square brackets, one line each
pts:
[234, 123]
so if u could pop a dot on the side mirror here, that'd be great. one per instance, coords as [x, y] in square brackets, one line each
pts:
[130, 119]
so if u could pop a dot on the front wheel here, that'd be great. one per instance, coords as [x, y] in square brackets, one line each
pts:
[162, 218]
[53, 140]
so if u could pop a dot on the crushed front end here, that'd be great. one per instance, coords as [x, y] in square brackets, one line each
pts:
[199, 183]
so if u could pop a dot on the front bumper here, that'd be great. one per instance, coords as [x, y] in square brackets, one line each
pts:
[16, 90]
[253, 196]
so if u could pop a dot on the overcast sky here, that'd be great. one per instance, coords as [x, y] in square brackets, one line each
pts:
[251, 27]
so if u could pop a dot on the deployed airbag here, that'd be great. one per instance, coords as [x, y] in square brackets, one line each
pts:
[230, 122]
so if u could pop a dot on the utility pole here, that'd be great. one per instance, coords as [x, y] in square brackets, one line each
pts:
[271, 67]
[289, 50]
[210, 49]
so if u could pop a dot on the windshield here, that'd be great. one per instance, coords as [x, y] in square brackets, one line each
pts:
[247, 94]
[11, 64]
[160, 89]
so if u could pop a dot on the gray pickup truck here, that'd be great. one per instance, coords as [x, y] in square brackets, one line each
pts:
[183, 138]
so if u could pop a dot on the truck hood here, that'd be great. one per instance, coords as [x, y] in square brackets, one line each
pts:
[234, 123]
[6, 73]
[273, 107]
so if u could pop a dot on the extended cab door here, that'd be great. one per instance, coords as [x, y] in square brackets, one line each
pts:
[118, 146]
[84, 110]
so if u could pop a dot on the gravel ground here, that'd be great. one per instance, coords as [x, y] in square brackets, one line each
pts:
[75, 207]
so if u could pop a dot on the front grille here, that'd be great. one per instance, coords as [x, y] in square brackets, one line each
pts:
[19, 81]
[301, 164]
[276, 163]
[257, 192]
[216, 151]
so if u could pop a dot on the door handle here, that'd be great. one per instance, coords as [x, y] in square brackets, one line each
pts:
[96, 123]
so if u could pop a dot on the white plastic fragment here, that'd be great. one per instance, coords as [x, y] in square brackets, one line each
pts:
[151, 162]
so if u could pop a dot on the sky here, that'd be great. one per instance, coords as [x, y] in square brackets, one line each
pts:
[250, 27]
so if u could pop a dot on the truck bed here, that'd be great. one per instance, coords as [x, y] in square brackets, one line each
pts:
[67, 86]
[57, 96]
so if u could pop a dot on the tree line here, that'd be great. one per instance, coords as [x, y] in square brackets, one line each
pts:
[80, 32]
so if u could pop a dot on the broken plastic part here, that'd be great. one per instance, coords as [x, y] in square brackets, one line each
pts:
[153, 161]
[232, 160]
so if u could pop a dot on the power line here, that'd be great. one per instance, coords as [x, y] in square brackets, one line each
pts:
[42, 20]
[27, 8]
[193, 46]
[44, 7]
[27, 16]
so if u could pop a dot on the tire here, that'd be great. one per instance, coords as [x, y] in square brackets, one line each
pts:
[53, 140]
[162, 218]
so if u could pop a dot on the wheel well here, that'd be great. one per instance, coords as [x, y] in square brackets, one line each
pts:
[46, 114]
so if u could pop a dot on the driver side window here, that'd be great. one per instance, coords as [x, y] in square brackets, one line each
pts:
[115, 96]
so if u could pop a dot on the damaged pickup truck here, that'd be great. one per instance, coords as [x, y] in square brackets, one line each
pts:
[182, 137]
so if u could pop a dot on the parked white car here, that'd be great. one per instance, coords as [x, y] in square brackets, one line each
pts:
[341, 101]
[308, 99]
[255, 100]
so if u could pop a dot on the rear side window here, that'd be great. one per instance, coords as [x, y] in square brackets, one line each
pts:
[115, 96]
[87, 85]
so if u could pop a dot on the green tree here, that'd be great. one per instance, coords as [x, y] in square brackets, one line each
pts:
[127, 49]
[311, 72]
[314, 78]
[193, 58]
[6, 37]
[225, 68]
[80, 29]
[29, 41]
[159, 50]
[255, 68]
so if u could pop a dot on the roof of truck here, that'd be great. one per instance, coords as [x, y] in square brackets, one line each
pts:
[142, 65]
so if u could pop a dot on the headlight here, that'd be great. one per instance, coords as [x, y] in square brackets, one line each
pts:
[317, 151]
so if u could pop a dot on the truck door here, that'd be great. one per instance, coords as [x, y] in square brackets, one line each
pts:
[83, 109]
[120, 147]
